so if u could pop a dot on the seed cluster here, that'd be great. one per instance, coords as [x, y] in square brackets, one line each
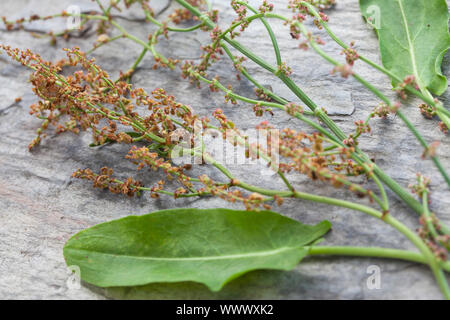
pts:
[89, 99]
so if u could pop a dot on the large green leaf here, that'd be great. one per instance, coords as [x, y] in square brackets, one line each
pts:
[413, 36]
[211, 246]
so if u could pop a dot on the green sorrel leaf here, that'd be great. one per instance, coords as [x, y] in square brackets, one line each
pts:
[211, 246]
[413, 36]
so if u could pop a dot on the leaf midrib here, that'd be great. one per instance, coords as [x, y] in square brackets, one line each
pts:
[410, 44]
[223, 257]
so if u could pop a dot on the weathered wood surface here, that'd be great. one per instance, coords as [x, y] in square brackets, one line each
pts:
[41, 206]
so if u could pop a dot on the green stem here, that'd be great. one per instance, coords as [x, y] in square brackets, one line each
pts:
[138, 61]
[368, 252]
[149, 17]
[427, 215]
[374, 252]
[424, 144]
[103, 43]
[253, 80]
